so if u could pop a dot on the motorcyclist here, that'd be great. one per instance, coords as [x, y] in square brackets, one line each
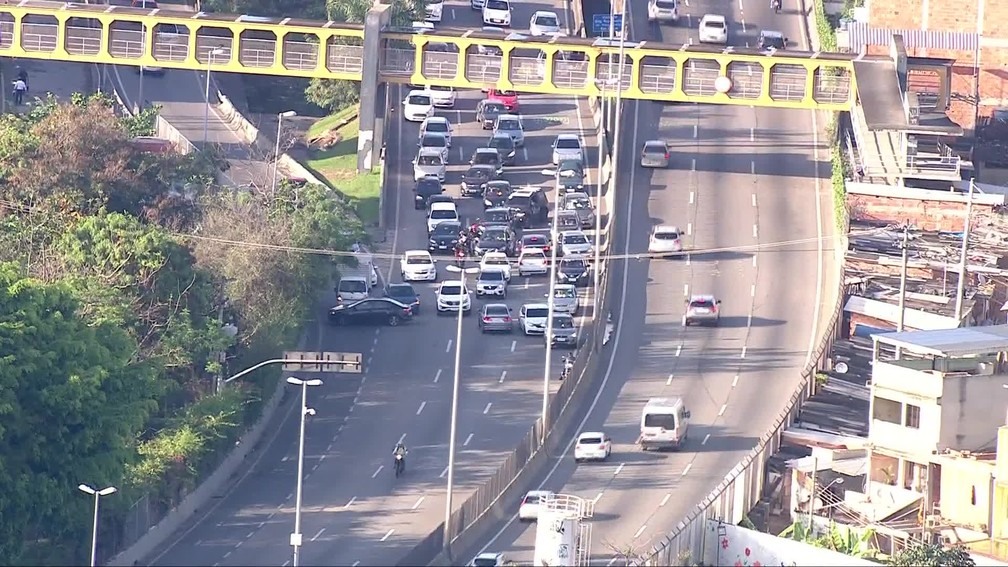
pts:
[776, 5]
[399, 454]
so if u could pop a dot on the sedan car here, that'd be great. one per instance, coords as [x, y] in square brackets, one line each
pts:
[440, 213]
[405, 294]
[487, 112]
[655, 153]
[713, 29]
[532, 262]
[665, 240]
[418, 106]
[508, 98]
[703, 309]
[437, 125]
[417, 265]
[371, 311]
[435, 141]
[442, 97]
[564, 331]
[475, 179]
[663, 11]
[568, 146]
[573, 270]
[444, 237]
[528, 511]
[495, 195]
[570, 176]
[429, 161]
[505, 147]
[532, 318]
[511, 124]
[452, 296]
[574, 242]
[487, 156]
[496, 261]
[491, 282]
[544, 23]
[426, 188]
[496, 317]
[581, 205]
[529, 206]
[592, 446]
[497, 13]
[565, 298]
[540, 242]
[567, 221]
[495, 238]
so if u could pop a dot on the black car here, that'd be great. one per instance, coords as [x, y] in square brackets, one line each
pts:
[426, 188]
[487, 112]
[573, 271]
[530, 206]
[405, 294]
[505, 146]
[371, 311]
[487, 156]
[444, 237]
[496, 238]
[475, 179]
[498, 216]
[496, 193]
[570, 176]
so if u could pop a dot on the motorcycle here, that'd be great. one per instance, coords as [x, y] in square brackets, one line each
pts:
[460, 256]
[568, 367]
[400, 465]
[776, 4]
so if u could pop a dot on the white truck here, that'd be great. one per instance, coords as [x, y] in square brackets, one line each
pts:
[664, 424]
[355, 282]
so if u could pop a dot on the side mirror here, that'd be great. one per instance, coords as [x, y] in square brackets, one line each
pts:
[688, 413]
[548, 172]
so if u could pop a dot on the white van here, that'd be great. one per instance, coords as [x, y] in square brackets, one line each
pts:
[664, 424]
[356, 281]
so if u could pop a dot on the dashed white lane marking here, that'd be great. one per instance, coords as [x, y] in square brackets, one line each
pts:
[355, 564]
[486, 410]
[705, 439]
[754, 199]
[598, 497]
[755, 231]
[687, 259]
[640, 531]
[669, 381]
[387, 535]
[665, 500]
[468, 439]
[350, 503]
[752, 134]
[611, 561]
[249, 535]
[689, 229]
[693, 165]
[686, 470]
[318, 535]
[749, 321]
[437, 376]
[375, 341]
[685, 290]
[228, 554]
[420, 409]
[448, 348]
[380, 467]
[285, 563]
[619, 469]
[692, 196]
[752, 167]
[443, 473]
[514, 345]
[527, 283]
[696, 130]
[289, 496]
[752, 290]
[743, 352]
[724, 408]
[503, 376]
[418, 503]
[525, 152]
[678, 350]
[735, 381]
[754, 260]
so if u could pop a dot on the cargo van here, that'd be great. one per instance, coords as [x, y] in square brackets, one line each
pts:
[664, 424]
[355, 282]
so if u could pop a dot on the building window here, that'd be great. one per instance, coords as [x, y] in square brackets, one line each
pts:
[973, 495]
[887, 410]
[911, 417]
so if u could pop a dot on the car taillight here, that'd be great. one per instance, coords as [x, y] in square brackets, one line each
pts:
[666, 155]
[486, 319]
[507, 319]
[601, 446]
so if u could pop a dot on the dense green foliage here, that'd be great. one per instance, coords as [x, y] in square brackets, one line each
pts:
[932, 555]
[118, 269]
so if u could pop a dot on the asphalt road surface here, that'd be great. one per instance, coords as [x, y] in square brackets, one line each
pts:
[354, 509]
[739, 177]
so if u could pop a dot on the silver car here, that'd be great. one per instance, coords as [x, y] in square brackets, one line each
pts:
[654, 154]
[564, 331]
[567, 146]
[429, 161]
[565, 298]
[574, 242]
[496, 317]
[580, 204]
[567, 220]
[511, 124]
[701, 309]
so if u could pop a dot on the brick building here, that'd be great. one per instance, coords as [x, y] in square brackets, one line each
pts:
[973, 33]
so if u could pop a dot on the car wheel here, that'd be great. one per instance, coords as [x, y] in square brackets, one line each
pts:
[393, 321]
[403, 276]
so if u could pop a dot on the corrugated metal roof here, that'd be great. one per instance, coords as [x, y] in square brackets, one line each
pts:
[889, 312]
[950, 342]
[861, 35]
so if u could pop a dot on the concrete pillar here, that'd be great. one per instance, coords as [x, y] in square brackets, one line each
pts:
[377, 18]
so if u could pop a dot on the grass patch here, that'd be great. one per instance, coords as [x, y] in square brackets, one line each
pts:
[337, 164]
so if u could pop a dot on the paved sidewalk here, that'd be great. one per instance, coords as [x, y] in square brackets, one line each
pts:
[60, 78]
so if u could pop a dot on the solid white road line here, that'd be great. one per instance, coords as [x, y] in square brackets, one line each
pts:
[418, 503]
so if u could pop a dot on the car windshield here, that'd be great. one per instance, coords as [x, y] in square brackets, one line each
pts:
[666, 236]
[434, 140]
[492, 261]
[439, 89]
[773, 41]
[509, 125]
[714, 24]
[537, 312]
[506, 94]
[519, 201]
[666, 4]
[446, 229]
[352, 286]
[439, 127]
[703, 303]
[547, 20]
[577, 204]
[419, 100]
[497, 310]
[443, 214]
[575, 239]
[568, 144]
[533, 240]
[428, 184]
[401, 290]
[485, 158]
[496, 5]
[477, 172]
[652, 148]
[536, 256]
[496, 216]
[497, 192]
[429, 160]
[573, 266]
[417, 260]
[492, 275]
[451, 289]
[502, 142]
[563, 322]
[590, 441]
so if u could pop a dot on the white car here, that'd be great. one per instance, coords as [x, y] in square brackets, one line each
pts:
[532, 261]
[574, 242]
[437, 125]
[713, 29]
[532, 318]
[433, 10]
[489, 560]
[665, 239]
[451, 295]
[528, 511]
[568, 146]
[430, 162]
[442, 97]
[592, 446]
[663, 10]
[496, 261]
[418, 106]
[417, 265]
[440, 212]
[497, 13]
[544, 23]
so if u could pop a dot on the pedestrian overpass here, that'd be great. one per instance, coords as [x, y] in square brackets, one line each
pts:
[463, 59]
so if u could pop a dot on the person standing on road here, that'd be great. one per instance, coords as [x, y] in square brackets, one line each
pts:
[20, 88]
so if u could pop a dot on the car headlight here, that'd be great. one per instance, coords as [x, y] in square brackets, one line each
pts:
[432, 242]
[487, 203]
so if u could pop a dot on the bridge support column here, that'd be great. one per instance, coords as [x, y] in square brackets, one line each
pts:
[377, 18]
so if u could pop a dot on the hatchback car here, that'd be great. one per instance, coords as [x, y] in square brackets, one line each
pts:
[540, 242]
[713, 29]
[495, 239]
[496, 261]
[508, 98]
[475, 179]
[581, 205]
[442, 97]
[496, 318]
[429, 161]
[663, 10]
[436, 141]
[568, 146]
[771, 40]
[372, 311]
[532, 262]
[570, 176]
[512, 125]
[444, 237]
[505, 147]
[426, 188]
[497, 13]
[544, 23]
[573, 242]
[703, 309]
[565, 298]
[495, 195]
[441, 213]
[529, 206]
[532, 318]
[491, 282]
[418, 106]
[417, 265]
[573, 270]
[487, 112]
[437, 125]
[567, 221]
[451, 296]
[655, 153]
[665, 240]
[533, 501]
[592, 446]
[564, 331]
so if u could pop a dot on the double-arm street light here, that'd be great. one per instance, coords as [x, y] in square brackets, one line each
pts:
[276, 152]
[94, 530]
[296, 537]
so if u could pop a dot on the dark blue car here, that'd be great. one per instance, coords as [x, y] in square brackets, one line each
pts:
[405, 294]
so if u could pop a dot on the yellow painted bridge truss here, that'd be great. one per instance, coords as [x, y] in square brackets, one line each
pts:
[464, 59]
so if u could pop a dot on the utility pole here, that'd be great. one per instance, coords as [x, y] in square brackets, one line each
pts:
[903, 276]
[961, 288]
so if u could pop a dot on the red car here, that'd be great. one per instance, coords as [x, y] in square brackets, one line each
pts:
[508, 98]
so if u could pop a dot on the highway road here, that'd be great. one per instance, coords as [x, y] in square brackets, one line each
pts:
[354, 508]
[739, 177]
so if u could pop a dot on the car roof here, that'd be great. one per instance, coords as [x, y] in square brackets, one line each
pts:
[431, 119]
[532, 252]
[485, 150]
[489, 555]
[441, 135]
[429, 151]
[576, 195]
[667, 228]
[702, 297]
[494, 254]
[591, 434]
[568, 137]
[713, 18]
[525, 191]
[544, 13]
[443, 205]
[506, 116]
[422, 92]
[567, 233]
[417, 253]
[496, 305]
[771, 33]
[539, 492]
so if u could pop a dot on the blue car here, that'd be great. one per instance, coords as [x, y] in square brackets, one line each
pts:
[405, 294]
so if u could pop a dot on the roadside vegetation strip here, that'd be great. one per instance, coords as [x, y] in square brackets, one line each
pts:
[117, 322]
[332, 154]
[840, 169]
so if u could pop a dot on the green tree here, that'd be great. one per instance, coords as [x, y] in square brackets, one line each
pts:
[71, 401]
[933, 554]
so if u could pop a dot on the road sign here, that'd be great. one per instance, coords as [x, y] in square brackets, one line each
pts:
[312, 361]
[600, 24]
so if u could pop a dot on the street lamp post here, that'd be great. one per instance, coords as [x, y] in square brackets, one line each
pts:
[295, 538]
[549, 321]
[206, 111]
[598, 212]
[276, 153]
[454, 409]
[94, 530]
